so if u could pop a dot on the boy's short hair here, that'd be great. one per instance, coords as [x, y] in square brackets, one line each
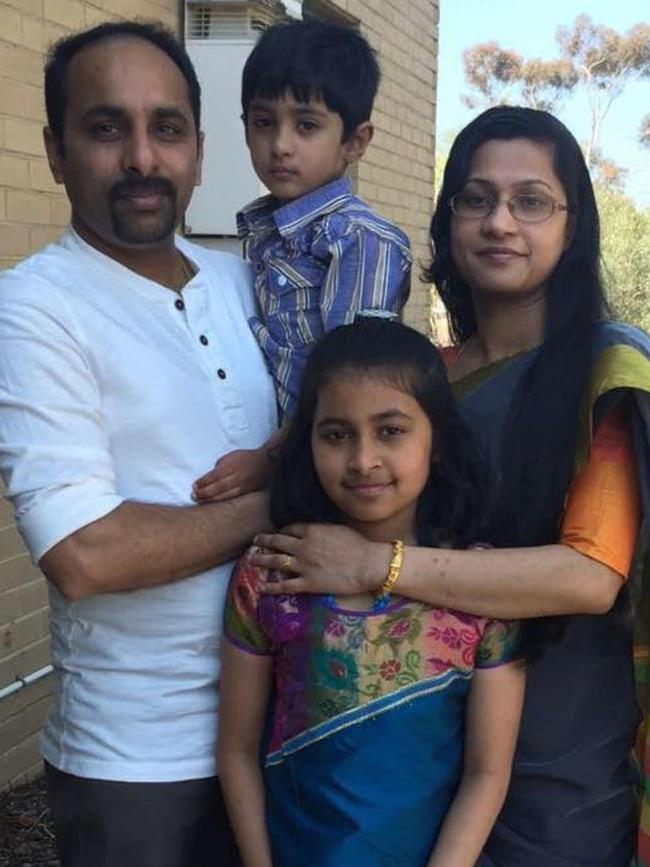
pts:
[314, 60]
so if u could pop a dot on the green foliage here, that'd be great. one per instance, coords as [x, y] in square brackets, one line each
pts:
[626, 256]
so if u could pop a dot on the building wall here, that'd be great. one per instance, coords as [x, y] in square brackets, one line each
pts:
[395, 177]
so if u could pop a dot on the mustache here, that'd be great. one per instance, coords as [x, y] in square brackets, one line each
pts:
[141, 187]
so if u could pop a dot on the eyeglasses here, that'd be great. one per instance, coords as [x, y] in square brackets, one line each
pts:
[525, 207]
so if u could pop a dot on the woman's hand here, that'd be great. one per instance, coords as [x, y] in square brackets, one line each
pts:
[327, 558]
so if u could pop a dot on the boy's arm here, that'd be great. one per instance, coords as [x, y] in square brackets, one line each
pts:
[492, 721]
[367, 271]
[243, 697]
[237, 473]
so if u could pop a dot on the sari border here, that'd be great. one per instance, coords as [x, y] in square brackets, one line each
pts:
[359, 714]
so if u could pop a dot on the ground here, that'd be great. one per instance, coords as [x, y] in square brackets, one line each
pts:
[26, 833]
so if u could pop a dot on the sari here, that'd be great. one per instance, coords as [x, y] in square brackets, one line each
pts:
[572, 798]
[365, 746]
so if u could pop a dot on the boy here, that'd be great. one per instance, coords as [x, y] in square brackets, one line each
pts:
[320, 254]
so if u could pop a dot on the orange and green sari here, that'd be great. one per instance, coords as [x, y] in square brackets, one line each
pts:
[573, 797]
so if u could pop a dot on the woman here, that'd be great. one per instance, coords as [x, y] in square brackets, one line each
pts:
[558, 396]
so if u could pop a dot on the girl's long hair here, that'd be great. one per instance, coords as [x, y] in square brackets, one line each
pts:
[452, 508]
[539, 438]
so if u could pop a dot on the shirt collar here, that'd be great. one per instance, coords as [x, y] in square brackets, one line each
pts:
[293, 216]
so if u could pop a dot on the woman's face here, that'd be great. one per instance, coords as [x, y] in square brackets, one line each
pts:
[498, 255]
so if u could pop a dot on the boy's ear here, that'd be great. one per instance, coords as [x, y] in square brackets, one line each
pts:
[355, 146]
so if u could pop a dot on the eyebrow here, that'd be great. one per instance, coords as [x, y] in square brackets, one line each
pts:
[300, 108]
[522, 183]
[378, 417]
[115, 112]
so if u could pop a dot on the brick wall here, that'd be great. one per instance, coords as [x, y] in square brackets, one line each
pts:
[396, 177]
[33, 211]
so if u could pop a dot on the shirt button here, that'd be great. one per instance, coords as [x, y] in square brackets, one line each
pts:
[259, 267]
[179, 305]
[282, 280]
[221, 373]
[204, 340]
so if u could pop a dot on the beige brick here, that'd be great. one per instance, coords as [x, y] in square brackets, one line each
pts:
[21, 633]
[24, 662]
[68, 13]
[27, 207]
[13, 171]
[40, 177]
[10, 544]
[14, 240]
[23, 136]
[22, 601]
[20, 64]
[16, 572]
[22, 725]
[6, 513]
[33, 33]
[60, 211]
[34, 105]
[14, 762]
[19, 701]
[29, 7]
[12, 26]
[10, 99]
[40, 236]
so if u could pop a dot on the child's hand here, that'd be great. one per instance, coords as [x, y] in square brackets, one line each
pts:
[237, 473]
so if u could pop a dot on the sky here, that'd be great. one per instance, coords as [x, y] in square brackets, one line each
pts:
[529, 27]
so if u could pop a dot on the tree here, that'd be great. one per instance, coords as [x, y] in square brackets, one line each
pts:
[625, 255]
[502, 77]
[593, 57]
[604, 61]
[644, 132]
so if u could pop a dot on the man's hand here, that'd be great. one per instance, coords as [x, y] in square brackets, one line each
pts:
[237, 473]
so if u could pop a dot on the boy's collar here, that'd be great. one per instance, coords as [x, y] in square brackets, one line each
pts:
[294, 215]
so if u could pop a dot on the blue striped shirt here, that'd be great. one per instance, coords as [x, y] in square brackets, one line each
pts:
[318, 261]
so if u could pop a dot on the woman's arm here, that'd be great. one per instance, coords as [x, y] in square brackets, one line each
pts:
[504, 583]
[244, 692]
[492, 721]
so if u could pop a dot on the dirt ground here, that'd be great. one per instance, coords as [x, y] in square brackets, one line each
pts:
[26, 833]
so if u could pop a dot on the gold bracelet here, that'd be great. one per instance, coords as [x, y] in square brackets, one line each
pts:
[394, 569]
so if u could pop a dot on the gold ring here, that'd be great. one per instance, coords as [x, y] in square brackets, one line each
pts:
[286, 563]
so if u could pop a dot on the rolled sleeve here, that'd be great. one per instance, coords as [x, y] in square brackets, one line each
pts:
[54, 447]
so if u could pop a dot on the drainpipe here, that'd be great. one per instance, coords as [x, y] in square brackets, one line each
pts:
[21, 682]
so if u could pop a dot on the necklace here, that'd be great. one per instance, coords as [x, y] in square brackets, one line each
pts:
[187, 270]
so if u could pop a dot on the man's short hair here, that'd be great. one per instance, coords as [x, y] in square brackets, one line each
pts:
[62, 52]
[314, 60]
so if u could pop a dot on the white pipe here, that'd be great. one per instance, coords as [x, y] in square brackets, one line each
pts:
[21, 682]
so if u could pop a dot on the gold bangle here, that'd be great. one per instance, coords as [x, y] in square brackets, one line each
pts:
[394, 569]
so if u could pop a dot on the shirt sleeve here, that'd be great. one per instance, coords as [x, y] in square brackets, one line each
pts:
[241, 621]
[603, 511]
[367, 271]
[501, 642]
[54, 446]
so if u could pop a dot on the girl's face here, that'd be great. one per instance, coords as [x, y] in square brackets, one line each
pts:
[497, 254]
[371, 445]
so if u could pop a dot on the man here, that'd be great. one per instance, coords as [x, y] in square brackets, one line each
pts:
[127, 368]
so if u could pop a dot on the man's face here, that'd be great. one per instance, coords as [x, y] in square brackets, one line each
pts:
[131, 154]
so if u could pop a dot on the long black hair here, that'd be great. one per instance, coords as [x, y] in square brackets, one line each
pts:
[541, 427]
[452, 507]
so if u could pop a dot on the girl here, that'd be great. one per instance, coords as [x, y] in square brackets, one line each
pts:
[393, 722]
[559, 396]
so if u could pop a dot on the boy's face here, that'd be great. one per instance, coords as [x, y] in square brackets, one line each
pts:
[297, 147]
